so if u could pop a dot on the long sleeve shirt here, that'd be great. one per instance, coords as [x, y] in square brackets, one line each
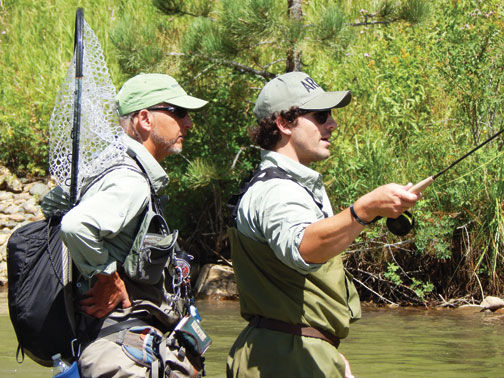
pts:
[277, 211]
[100, 230]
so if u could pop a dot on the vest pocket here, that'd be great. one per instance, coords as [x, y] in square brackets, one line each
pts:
[151, 250]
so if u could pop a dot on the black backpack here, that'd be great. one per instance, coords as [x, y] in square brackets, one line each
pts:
[40, 292]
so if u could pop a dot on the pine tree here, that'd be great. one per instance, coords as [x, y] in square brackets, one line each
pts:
[225, 51]
[270, 37]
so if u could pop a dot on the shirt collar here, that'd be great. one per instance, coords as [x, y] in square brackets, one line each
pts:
[156, 174]
[307, 177]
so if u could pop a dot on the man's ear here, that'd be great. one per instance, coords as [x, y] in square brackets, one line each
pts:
[145, 121]
[283, 126]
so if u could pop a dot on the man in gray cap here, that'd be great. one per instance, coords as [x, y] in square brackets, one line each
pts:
[287, 242]
[119, 241]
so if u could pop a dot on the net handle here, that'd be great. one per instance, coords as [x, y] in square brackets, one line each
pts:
[79, 57]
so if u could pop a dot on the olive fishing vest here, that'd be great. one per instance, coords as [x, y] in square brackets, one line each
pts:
[325, 299]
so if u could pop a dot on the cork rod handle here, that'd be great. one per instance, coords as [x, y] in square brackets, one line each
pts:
[420, 186]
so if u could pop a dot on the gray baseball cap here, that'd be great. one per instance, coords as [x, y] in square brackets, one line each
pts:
[297, 89]
[146, 90]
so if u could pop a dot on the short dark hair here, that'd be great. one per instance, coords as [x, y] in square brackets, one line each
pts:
[266, 134]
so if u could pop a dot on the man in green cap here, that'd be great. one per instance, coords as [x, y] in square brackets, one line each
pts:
[119, 241]
[287, 242]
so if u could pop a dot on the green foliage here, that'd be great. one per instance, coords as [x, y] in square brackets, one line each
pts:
[421, 289]
[174, 7]
[246, 20]
[205, 37]
[33, 63]
[138, 48]
[426, 78]
[433, 232]
[414, 10]
[201, 173]
[330, 24]
[392, 274]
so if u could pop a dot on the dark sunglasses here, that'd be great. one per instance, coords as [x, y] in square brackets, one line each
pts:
[178, 112]
[321, 117]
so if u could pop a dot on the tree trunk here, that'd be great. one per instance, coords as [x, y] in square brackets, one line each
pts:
[293, 54]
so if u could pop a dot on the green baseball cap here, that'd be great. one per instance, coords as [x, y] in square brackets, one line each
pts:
[297, 89]
[145, 90]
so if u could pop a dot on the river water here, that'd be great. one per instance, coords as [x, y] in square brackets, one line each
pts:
[408, 342]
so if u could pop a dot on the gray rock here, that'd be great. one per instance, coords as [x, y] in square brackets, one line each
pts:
[13, 184]
[39, 190]
[19, 217]
[4, 238]
[3, 252]
[492, 303]
[9, 224]
[469, 308]
[12, 209]
[30, 210]
[216, 281]
[5, 196]
[36, 217]
[29, 206]
[21, 198]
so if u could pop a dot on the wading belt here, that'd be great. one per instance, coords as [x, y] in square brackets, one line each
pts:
[295, 329]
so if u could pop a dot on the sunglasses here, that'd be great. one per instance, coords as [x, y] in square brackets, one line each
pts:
[178, 112]
[321, 117]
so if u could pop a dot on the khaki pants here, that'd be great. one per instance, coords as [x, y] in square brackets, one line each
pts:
[104, 358]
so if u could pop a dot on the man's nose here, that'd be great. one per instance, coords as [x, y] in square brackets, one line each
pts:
[331, 123]
[187, 122]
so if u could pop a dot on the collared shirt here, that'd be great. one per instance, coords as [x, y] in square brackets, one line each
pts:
[277, 211]
[100, 230]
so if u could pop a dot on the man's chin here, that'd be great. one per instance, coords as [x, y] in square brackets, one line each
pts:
[173, 150]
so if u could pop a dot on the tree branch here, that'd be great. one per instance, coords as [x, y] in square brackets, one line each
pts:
[229, 63]
[399, 285]
[365, 23]
[374, 292]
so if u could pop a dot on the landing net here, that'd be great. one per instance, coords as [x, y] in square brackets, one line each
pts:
[100, 132]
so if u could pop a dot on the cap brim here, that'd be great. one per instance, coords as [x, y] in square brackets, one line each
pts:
[328, 100]
[187, 102]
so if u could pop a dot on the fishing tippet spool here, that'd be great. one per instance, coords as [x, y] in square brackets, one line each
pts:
[401, 225]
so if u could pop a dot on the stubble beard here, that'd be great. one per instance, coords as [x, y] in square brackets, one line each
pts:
[167, 146]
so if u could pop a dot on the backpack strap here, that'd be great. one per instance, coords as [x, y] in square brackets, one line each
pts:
[265, 175]
[94, 179]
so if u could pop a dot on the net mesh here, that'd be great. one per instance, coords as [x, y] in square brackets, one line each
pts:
[100, 132]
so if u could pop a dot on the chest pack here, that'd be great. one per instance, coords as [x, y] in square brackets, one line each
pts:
[264, 175]
[41, 295]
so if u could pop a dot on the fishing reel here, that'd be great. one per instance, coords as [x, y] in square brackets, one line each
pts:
[401, 225]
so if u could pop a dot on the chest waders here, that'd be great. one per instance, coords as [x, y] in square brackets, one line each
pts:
[264, 280]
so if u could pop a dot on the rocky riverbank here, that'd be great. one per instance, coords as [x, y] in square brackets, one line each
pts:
[19, 204]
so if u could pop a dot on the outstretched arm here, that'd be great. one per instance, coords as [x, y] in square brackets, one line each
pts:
[329, 237]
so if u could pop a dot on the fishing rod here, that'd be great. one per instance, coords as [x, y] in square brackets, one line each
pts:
[404, 223]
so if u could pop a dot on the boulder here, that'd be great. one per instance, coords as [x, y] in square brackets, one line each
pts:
[5, 196]
[12, 209]
[216, 281]
[39, 190]
[492, 303]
